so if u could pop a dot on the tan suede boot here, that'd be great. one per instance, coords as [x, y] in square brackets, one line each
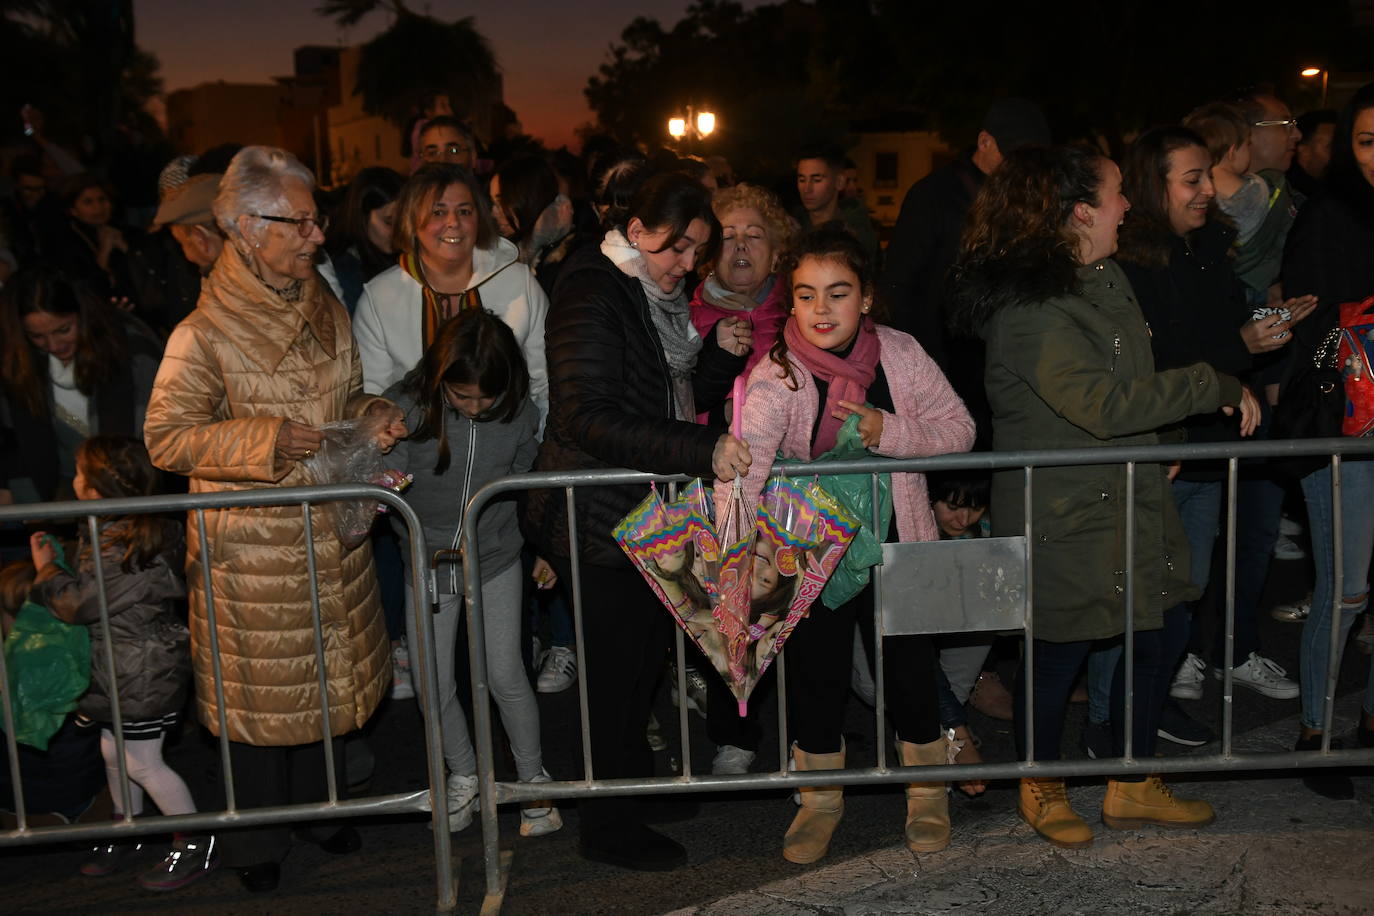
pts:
[808, 838]
[927, 803]
[1044, 804]
[1133, 804]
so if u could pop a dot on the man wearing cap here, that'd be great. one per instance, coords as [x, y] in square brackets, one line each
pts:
[926, 240]
[185, 212]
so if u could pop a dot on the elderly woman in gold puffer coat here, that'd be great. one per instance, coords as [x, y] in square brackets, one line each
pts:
[266, 357]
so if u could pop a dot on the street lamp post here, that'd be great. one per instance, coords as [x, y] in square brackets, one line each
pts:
[696, 125]
[1310, 72]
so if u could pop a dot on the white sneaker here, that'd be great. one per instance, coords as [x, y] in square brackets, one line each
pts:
[731, 761]
[1289, 527]
[402, 687]
[654, 736]
[1187, 684]
[1285, 548]
[1262, 676]
[559, 670]
[462, 801]
[538, 818]
[1297, 612]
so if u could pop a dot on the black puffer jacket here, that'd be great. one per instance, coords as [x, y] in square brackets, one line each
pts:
[152, 656]
[611, 405]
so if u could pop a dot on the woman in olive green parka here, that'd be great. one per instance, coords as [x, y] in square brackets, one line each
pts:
[1069, 366]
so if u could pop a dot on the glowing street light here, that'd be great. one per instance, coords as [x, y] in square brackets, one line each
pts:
[694, 125]
[1310, 72]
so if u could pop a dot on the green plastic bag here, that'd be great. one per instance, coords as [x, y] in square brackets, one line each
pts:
[855, 493]
[49, 667]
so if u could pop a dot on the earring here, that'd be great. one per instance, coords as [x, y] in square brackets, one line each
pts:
[634, 245]
[257, 244]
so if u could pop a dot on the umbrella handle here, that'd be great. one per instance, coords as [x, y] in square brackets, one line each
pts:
[737, 407]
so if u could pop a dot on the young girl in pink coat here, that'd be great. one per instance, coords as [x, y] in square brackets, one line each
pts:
[831, 361]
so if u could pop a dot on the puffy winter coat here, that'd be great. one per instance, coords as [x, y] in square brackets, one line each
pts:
[235, 370]
[1073, 369]
[152, 660]
[611, 405]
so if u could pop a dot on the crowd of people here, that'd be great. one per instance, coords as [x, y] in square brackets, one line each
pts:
[476, 319]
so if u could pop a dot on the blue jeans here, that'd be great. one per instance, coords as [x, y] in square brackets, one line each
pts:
[1357, 543]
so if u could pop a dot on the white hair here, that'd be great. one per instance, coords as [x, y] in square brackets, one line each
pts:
[253, 183]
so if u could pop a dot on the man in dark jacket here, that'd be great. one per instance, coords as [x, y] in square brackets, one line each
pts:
[926, 240]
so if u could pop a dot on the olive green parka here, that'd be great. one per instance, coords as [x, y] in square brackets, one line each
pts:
[1072, 368]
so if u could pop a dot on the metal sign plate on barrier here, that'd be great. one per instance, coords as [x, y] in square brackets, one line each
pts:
[955, 586]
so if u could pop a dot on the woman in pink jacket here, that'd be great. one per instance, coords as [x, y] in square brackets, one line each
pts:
[832, 361]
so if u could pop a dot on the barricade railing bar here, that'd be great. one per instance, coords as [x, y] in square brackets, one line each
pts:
[1226, 760]
[431, 801]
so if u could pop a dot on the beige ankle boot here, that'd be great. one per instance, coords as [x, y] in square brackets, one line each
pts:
[927, 803]
[808, 838]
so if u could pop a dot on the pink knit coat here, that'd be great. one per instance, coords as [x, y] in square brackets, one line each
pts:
[930, 420]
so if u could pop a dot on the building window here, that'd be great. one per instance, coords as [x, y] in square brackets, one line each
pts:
[884, 170]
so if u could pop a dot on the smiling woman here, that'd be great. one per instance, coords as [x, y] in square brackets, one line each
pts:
[452, 259]
[628, 373]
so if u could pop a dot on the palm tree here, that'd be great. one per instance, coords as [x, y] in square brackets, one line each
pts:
[417, 56]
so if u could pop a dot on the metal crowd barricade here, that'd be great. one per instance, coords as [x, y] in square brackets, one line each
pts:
[432, 801]
[1227, 760]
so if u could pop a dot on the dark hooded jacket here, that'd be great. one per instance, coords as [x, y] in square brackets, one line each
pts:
[611, 405]
[1069, 365]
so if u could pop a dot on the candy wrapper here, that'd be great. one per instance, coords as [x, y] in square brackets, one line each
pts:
[350, 454]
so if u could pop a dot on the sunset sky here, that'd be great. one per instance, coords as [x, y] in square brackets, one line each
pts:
[546, 50]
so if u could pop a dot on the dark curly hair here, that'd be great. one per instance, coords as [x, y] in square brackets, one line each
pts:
[1019, 229]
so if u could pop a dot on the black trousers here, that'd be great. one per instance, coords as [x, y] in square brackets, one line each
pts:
[626, 634]
[820, 655]
[1057, 665]
[269, 776]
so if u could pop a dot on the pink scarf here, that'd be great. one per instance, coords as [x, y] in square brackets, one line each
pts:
[848, 378]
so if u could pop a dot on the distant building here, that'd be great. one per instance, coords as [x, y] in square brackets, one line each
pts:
[214, 113]
[892, 154]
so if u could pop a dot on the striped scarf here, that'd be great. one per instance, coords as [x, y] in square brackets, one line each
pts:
[438, 307]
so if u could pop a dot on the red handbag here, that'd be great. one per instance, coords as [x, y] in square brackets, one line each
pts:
[1353, 356]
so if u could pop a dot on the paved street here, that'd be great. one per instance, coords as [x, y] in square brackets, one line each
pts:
[1275, 847]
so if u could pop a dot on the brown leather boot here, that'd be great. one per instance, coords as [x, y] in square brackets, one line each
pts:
[1133, 804]
[927, 803]
[1044, 804]
[808, 839]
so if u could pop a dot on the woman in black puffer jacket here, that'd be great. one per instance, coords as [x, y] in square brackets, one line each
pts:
[627, 375]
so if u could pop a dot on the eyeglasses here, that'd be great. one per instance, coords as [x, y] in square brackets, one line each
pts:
[433, 153]
[305, 225]
[1277, 122]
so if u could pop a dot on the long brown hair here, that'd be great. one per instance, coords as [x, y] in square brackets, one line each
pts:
[1146, 235]
[117, 467]
[100, 348]
[473, 347]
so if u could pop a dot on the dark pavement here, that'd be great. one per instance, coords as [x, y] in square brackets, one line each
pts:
[1275, 848]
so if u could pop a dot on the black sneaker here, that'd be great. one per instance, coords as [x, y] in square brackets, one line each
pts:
[1097, 741]
[1328, 782]
[633, 846]
[1177, 726]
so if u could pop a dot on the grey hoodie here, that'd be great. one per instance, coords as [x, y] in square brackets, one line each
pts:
[478, 454]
